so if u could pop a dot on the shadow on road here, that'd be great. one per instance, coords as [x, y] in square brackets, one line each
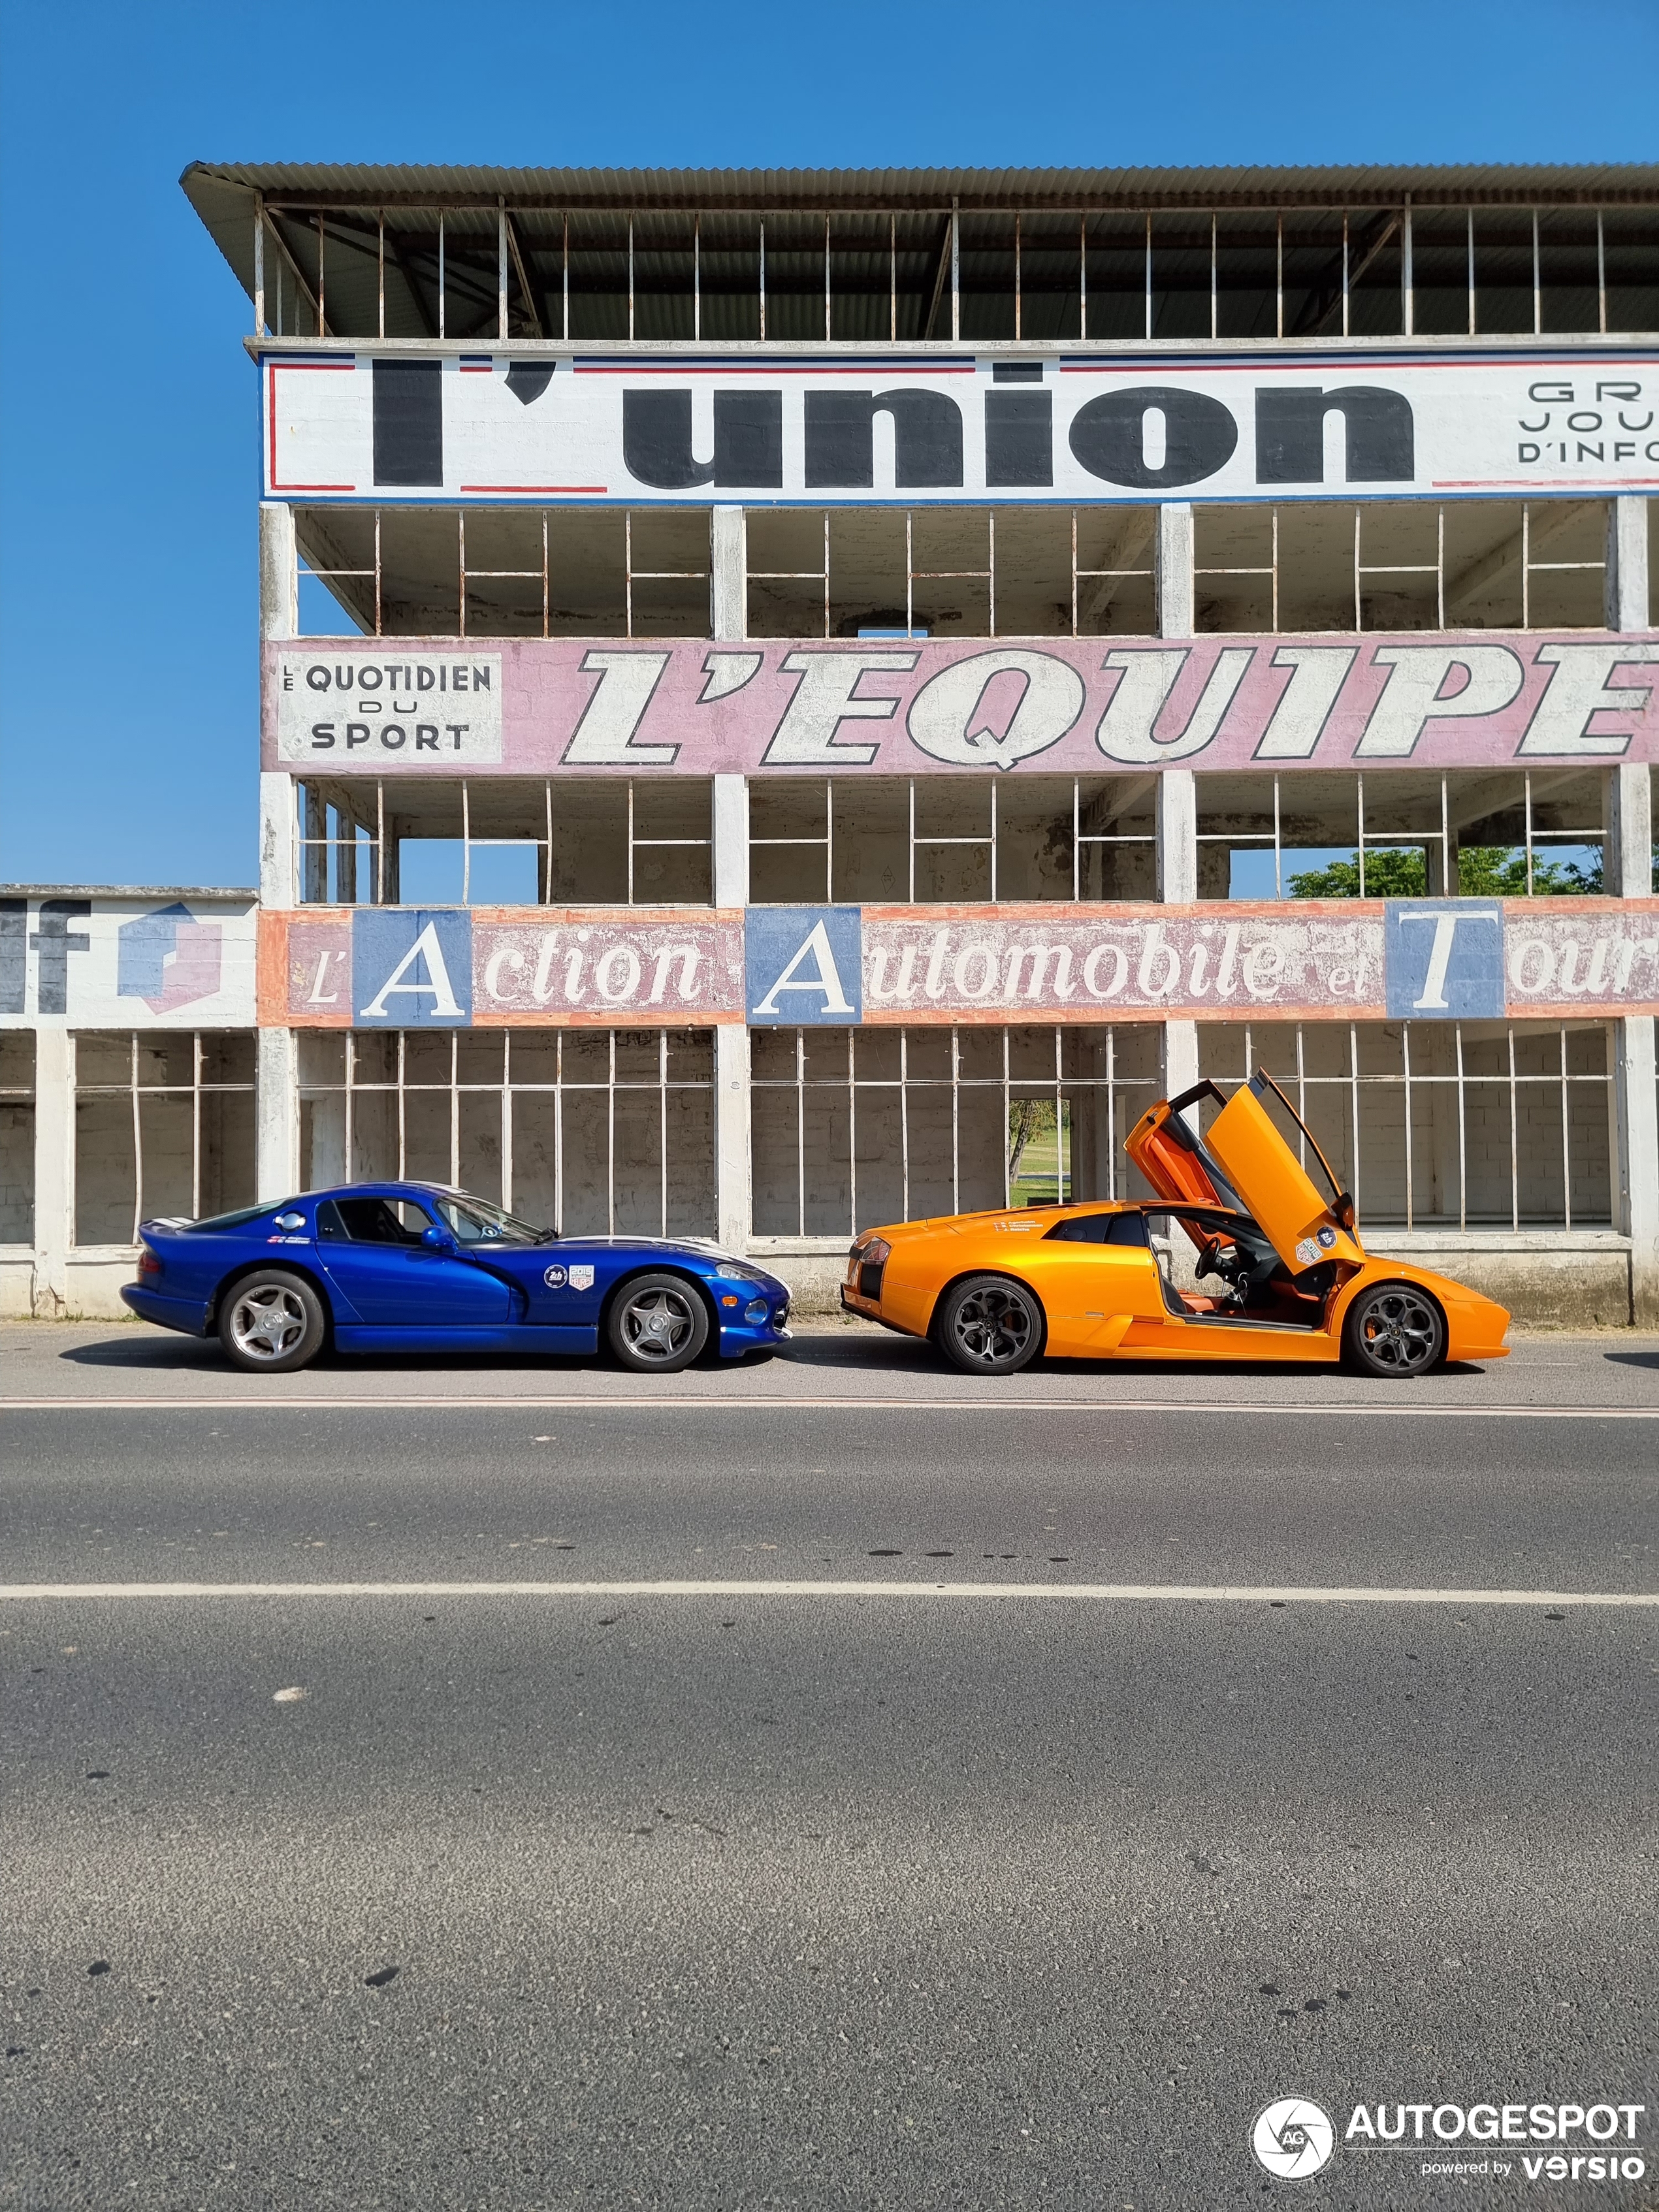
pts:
[1632, 1358]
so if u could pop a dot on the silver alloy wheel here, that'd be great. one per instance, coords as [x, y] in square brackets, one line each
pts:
[656, 1324]
[1399, 1331]
[266, 1320]
[994, 1325]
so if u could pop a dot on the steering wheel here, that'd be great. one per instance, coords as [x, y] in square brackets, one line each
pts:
[1209, 1259]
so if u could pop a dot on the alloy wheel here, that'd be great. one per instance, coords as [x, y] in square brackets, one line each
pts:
[267, 1321]
[656, 1324]
[994, 1325]
[1400, 1332]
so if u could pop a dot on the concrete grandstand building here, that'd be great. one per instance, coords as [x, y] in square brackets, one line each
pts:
[797, 699]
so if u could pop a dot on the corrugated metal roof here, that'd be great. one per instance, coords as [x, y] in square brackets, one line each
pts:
[353, 184]
[198, 891]
[222, 194]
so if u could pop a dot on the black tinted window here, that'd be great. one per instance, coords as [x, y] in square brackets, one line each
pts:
[379, 1220]
[1082, 1229]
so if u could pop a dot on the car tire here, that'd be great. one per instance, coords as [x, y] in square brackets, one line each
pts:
[1395, 1331]
[658, 1324]
[990, 1325]
[271, 1322]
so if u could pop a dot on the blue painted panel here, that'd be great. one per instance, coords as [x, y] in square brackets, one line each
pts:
[411, 967]
[803, 965]
[1443, 959]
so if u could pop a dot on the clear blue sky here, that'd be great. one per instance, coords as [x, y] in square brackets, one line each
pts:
[127, 536]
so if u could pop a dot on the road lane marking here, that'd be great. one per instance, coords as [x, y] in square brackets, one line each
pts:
[657, 1403]
[1099, 1593]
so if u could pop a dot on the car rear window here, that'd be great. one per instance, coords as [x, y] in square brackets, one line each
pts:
[234, 1220]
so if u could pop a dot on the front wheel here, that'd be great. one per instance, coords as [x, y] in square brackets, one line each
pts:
[658, 1324]
[1395, 1331]
[271, 1322]
[990, 1326]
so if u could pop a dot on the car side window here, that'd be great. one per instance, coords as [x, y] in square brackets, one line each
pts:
[1082, 1229]
[381, 1220]
[1101, 1229]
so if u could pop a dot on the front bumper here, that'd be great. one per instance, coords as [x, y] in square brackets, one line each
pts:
[189, 1315]
[742, 1330]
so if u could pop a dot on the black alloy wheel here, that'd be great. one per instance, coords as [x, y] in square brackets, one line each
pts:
[991, 1325]
[1395, 1331]
[271, 1322]
[658, 1324]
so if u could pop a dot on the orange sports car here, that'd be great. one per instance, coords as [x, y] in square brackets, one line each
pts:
[1239, 1257]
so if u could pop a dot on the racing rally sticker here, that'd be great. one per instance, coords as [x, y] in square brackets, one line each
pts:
[554, 1279]
[581, 1278]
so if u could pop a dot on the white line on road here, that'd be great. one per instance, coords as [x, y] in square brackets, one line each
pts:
[658, 1402]
[1099, 1593]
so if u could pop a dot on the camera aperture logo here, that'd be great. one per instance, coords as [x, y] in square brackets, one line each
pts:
[1293, 2138]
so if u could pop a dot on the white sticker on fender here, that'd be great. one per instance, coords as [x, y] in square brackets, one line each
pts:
[581, 1278]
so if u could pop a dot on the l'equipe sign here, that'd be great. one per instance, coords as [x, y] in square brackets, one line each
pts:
[1075, 706]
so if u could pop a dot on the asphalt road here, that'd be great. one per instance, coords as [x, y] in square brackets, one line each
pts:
[874, 1788]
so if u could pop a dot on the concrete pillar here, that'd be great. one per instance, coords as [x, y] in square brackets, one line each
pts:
[278, 884]
[279, 572]
[1627, 855]
[1178, 1062]
[1638, 1139]
[54, 1170]
[276, 1115]
[731, 833]
[728, 573]
[1178, 836]
[1627, 564]
[1174, 569]
[732, 1171]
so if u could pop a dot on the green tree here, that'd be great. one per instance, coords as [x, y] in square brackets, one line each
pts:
[1388, 874]
[1483, 871]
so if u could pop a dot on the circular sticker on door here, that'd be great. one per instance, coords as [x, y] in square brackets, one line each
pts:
[554, 1279]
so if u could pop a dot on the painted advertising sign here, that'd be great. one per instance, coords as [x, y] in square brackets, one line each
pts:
[75, 961]
[1336, 959]
[942, 428]
[448, 967]
[1073, 706]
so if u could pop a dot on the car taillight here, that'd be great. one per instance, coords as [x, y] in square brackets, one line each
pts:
[150, 1263]
[873, 1260]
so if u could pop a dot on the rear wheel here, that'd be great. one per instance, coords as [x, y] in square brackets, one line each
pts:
[1394, 1330]
[658, 1324]
[271, 1322]
[990, 1326]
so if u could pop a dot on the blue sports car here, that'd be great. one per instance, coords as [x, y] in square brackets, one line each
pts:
[416, 1267]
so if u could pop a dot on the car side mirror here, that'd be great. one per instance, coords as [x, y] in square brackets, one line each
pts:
[437, 1240]
[1343, 1212]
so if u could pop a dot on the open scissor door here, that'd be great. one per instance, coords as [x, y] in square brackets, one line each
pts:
[1304, 1225]
[1175, 1160]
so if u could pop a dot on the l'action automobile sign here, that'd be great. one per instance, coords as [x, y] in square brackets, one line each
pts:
[1477, 422]
[1337, 959]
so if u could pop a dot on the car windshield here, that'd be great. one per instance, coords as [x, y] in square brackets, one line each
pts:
[475, 1221]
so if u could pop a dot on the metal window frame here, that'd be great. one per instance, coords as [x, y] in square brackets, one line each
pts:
[195, 1090]
[562, 1087]
[1415, 1085]
[1065, 1089]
